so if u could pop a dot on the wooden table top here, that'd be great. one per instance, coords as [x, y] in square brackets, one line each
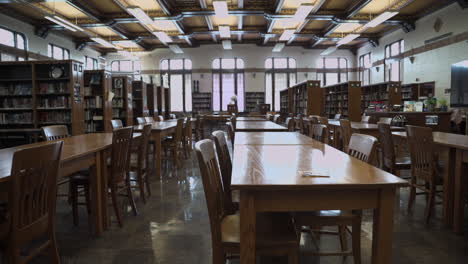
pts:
[442, 138]
[272, 138]
[158, 126]
[73, 147]
[362, 126]
[259, 126]
[280, 167]
[250, 118]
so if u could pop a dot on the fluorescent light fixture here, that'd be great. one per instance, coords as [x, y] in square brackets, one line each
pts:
[302, 13]
[227, 44]
[162, 36]
[224, 31]
[278, 47]
[103, 42]
[139, 14]
[380, 19]
[287, 34]
[64, 23]
[328, 51]
[347, 39]
[176, 49]
[221, 9]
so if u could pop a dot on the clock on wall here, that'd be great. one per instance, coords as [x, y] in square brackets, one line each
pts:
[56, 71]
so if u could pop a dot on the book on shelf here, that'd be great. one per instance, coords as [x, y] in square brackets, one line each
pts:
[53, 87]
[93, 102]
[22, 88]
[54, 117]
[16, 103]
[55, 102]
[16, 118]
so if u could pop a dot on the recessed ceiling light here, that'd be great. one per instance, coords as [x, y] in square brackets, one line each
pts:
[287, 34]
[221, 9]
[279, 47]
[224, 31]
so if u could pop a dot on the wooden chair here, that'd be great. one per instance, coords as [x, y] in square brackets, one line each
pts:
[116, 124]
[271, 117]
[225, 229]
[141, 120]
[161, 118]
[50, 133]
[174, 144]
[290, 124]
[365, 119]
[320, 133]
[362, 147]
[199, 128]
[323, 120]
[234, 122]
[391, 163]
[425, 175]
[187, 137]
[300, 126]
[337, 117]
[385, 120]
[277, 119]
[231, 134]
[140, 166]
[149, 119]
[31, 205]
[172, 116]
[345, 133]
[314, 119]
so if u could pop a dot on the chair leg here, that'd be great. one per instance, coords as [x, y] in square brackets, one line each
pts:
[141, 183]
[430, 203]
[88, 198]
[131, 200]
[53, 251]
[343, 238]
[356, 238]
[148, 187]
[74, 198]
[116, 205]
[411, 198]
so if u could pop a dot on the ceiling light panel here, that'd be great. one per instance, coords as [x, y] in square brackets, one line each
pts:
[224, 31]
[221, 9]
[347, 28]
[380, 19]
[103, 42]
[227, 44]
[287, 34]
[64, 23]
[347, 39]
[328, 51]
[279, 47]
[165, 25]
[139, 14]
[176, 49]
[162, 36]
[302, 13]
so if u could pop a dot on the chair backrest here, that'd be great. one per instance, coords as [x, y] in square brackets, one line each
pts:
[161, 118]
[172, 116]
[179, 131]
[143, 161]
[422, 152]
[33, 192]
[290, 124]
[337, 116]
[231, 133]
[212, 185]
[271, 117]
[54, 132]
[120, 156]
[388, 148]
[323, 120]
[141, 120]
[345, 132]
[314, 119]
[362, 147]
[234, 122]
[319, 132]
[386, 120]
[116, 123]
[149, 119]
[276, 119]
[300, 124]
[365, 119]
[225, 164]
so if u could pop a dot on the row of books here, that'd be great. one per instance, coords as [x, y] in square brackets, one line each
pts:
[54, 117]
[16, 118]
[53, 87]
[16, 103]
[93, 127]
[117, 113]
[56, 102]
[16, 88]
[95, 102]
[92, 115]
[117, 102]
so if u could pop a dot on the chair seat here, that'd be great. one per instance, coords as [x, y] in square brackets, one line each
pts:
[266, 235]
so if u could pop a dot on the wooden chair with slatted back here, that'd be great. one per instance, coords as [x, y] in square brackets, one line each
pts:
[300, 125]
[362, 147]
[141, 120]
[199, 128]
[290, 124]
[385, 120]
[225, 228]
[234, 122]
[320, 133]
[231, 134]
[323, 120]
[175, 144]
[391, 163]
[140, 166]
[425, 172]
[31, 204]
[187, 137]
[161, 118]
[225, 164]
[277, 119]
[172, 116]
[54, 132]
[314, 119]
[365, 119]
[149, 119]
[116, 123]
[345, 133]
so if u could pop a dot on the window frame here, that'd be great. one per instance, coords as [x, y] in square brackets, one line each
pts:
[184, 72]
[388, 55]
[15, 43]
[288, 70]
[94, 63]
[220, 71]
[363, 70]
[51, 46]
[339, 70]
[133, 66]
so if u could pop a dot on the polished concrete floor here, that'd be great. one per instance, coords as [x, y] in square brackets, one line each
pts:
[173, 228]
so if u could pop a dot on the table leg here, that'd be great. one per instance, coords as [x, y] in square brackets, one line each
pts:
[448, 186]
[383, 228]
[248, 219]
[459, 204]
[95, 188]
[157, 153]
[104, 190]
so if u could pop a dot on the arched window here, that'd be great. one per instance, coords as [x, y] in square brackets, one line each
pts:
[228, 80]
[12, 39]
[332, 70]
[177, 75]
[280, 73]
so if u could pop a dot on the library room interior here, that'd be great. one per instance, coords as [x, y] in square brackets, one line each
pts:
[234, 131]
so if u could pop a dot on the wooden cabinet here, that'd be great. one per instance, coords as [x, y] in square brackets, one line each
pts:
[307, 98]
[140, 103]
[286, 104]
[98, 108]
[387, 93]
[344, 99]
[41, 93]
[413, 91]
[122, 101]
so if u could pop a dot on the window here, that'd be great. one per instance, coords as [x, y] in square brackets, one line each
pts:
[332, 70]
[228, 81]
[393, 52]
[177, 75]
[91, 63]
[12, 39]
[126, 66]
[365, 63]
[57, 52]
[280, 73]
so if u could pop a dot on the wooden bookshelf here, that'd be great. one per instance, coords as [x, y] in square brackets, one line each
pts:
[122, 101]
[413, 91]
[253, 100]
[201, 102]
[167, 102]
[386, 93]
[161, 100]
[98, 109]
[140, 103]
[152, 100]
[286, 104]
[307, 98]
[344, 99]
[31, 97]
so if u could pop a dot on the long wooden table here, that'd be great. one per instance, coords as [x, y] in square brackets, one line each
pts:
[79, 153]
[272, 138]
[251, 118]
[456, 161]
[259, 126]
[269, 179]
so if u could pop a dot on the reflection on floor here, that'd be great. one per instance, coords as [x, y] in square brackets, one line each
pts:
[173, 228]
